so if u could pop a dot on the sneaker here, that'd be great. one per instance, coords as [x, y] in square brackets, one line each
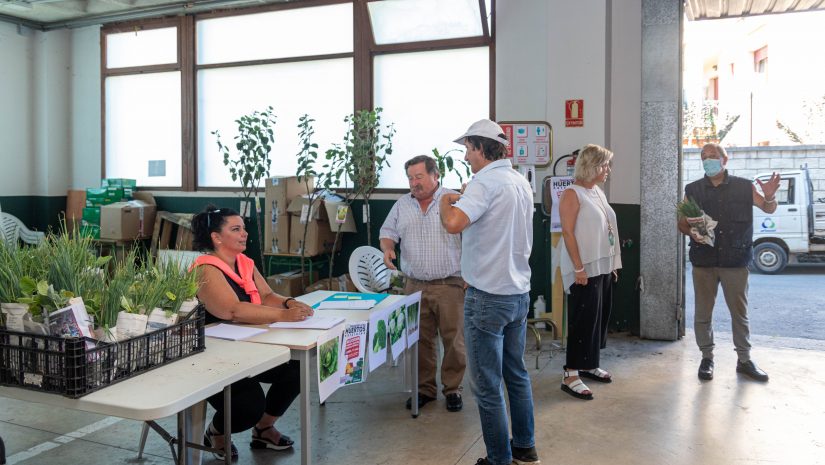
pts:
[524, 455]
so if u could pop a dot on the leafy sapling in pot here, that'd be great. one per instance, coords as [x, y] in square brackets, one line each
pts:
[253, 144]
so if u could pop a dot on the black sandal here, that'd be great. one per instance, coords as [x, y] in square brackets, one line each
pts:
[260, 442]
[207, 441]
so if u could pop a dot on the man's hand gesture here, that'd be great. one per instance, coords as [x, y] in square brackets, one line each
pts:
[770, 186]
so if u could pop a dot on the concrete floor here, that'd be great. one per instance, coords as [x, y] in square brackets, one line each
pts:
[656, 412]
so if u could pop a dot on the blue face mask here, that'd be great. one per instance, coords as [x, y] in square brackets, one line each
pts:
[712, 166]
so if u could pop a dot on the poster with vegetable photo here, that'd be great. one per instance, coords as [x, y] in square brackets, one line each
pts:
[413, 303]
[352, 361]
[329, 345]
[378, 338]
[396, 323]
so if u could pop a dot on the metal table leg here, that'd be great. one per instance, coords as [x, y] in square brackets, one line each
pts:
[304, 356]
[414, 377]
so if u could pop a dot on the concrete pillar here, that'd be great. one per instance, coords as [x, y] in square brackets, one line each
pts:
[661, 254]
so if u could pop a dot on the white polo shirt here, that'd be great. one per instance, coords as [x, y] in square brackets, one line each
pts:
[496, 245]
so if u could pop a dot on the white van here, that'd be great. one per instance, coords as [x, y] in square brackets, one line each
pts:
[795, 232]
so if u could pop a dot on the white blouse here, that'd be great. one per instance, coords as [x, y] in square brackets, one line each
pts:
[597, 254]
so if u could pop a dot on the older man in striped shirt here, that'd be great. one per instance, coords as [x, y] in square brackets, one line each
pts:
[431, 261]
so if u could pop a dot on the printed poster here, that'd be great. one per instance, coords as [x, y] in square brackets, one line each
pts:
[353, 353]
[396, 323]
[329, 348]
[413, 313]
[558, 185]
[378, 338]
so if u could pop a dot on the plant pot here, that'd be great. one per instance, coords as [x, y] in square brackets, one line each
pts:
[13, 314]
[158, 319]
[187, 307]
[106, 334]
[130, 325]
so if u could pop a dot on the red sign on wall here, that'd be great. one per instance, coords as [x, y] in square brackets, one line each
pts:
[574, 113]
[508, 133]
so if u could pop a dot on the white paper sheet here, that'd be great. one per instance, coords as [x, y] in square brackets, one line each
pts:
[413, 312]
[378, 338]
[329, 349]
[347, 305]
[232, 332]
[314, 322]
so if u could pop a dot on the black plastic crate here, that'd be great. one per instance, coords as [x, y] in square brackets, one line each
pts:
[78, 366]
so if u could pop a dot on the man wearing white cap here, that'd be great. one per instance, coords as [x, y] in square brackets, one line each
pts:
[495, 216]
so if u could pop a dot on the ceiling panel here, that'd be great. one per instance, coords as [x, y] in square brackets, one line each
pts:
[717, 9]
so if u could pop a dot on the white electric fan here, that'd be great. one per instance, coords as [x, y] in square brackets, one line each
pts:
[368, 271]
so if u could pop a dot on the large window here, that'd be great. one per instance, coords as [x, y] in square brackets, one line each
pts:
[168, 84]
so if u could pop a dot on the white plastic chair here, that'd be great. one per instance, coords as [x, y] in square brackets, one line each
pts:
[13, 230]
[368, 271]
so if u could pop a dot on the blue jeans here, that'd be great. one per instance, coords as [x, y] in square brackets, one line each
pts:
[494, 334]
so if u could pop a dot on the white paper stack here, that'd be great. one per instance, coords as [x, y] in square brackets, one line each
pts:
[315, 322]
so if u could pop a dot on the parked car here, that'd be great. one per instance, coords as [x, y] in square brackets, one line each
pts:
[795, 232]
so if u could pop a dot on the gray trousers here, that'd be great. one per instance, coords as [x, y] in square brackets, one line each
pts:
[734, 282]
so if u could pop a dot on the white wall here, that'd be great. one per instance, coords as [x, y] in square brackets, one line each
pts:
[16, 112]
[50, 116]
[84, 123]
[546, 53]
[550, 52]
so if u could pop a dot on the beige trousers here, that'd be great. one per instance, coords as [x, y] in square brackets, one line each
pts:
[442, 312]
[734, 281]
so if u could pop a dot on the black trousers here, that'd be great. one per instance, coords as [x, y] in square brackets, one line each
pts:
[249, 402]
[588, 313]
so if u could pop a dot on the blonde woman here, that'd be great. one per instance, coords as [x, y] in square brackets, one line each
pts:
[589, 260]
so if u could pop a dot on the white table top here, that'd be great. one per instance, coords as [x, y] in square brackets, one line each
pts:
[171, 388]
[307, 339]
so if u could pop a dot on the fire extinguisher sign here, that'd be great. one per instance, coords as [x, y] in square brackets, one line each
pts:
[574, 113]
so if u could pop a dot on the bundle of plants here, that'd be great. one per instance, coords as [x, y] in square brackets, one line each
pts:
[701, 224]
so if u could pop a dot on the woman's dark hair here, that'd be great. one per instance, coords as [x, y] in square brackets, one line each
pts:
[492, 149]
[210, 220]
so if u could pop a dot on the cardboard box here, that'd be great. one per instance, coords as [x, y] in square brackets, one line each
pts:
[279, 191]
[321, 222]
[75, 203]
[291, 283]
[89, 230]
[103, 196]
[91, 215]
[129, 185]
[130, 220]
[342, 283]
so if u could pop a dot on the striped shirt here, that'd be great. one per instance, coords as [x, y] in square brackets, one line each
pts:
[427, 250]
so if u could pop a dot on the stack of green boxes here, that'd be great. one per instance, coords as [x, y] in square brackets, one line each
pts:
[112, 190]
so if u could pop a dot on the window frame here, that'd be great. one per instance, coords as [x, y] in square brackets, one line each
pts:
[364, 51]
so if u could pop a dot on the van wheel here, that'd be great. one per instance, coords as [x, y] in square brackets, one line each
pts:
[769, 258]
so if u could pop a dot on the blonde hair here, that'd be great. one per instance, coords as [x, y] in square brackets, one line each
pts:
[589, 162]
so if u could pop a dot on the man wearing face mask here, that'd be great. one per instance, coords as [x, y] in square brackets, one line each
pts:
[728, 200]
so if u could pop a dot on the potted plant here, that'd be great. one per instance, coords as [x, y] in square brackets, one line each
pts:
[12, 269]
[360, 159]
[253, 144]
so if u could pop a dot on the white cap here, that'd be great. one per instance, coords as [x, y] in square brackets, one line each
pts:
[484, 128]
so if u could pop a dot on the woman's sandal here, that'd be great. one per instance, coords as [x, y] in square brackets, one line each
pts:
[260, 442]
[210, 433]
[597, 374]
[577, 388]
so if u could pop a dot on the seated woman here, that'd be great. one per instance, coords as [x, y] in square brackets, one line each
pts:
[232, 290]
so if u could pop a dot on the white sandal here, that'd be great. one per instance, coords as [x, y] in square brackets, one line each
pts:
[597, 374]
[576, 388]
